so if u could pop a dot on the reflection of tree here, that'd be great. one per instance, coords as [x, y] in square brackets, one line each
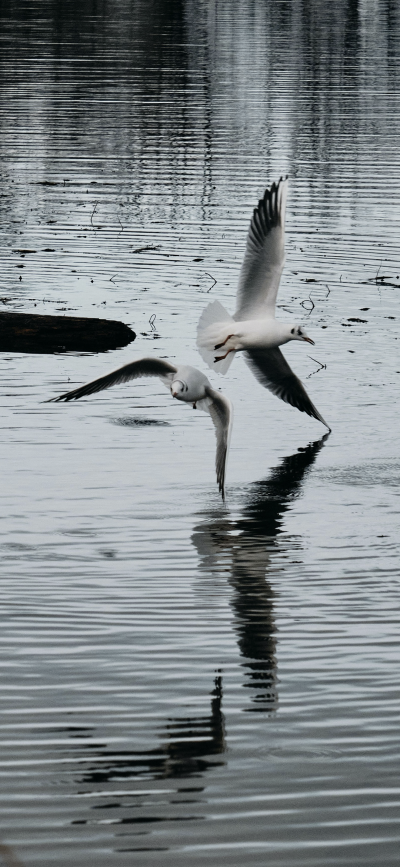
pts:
[162, 89]
[187, 747]
[125, 94]
[245, 546]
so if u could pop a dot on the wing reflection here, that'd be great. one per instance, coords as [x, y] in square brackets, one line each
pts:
[244, 547]
[188, 745]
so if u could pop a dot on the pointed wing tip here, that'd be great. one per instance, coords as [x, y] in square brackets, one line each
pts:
[283, 180]
[270, 210]
[64, 398]
[318, 416]
[315, 414]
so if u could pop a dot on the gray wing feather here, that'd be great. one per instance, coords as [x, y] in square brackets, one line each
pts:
[133, 370]
[272, 370]
[264, 257]
[221, 412]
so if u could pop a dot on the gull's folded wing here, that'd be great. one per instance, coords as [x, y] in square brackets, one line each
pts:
[264, 257]
[272, 370]
[133, 370]
[221, 412]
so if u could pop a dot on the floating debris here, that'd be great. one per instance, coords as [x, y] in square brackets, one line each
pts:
[31, 332]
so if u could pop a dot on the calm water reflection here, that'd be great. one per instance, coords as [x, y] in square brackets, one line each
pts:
[147, 631]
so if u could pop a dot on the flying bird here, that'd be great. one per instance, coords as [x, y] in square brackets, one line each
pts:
[253, 328]
[185, 383]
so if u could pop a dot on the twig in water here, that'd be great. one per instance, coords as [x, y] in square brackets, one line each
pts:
[112, 278]
[152, 321]
[211, 278]
[382, 281]
[377, 273]
[317, 296]
[93, 213]
[147, 247]
[308, 301]
[321, 366]
[47, 301]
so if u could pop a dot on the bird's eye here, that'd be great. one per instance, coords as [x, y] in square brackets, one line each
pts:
[292, 331]
[299, 332]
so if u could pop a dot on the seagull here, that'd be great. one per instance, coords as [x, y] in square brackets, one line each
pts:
[253, 328]
[185, 383]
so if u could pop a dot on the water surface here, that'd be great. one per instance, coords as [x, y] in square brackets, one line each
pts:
[185, 682]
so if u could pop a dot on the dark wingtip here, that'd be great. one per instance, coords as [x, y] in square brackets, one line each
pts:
[61, 398]
[267, 213]
[319, 417]
[221, 486]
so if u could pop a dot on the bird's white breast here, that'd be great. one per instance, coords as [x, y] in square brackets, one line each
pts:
[261, 333]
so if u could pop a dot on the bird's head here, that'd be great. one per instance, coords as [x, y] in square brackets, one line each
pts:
[298, 333]
[178, 389]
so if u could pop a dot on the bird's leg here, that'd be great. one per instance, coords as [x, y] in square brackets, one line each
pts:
[221, 357]
[218, 346]
[195, 405]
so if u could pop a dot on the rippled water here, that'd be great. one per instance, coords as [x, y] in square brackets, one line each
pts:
[184, 682]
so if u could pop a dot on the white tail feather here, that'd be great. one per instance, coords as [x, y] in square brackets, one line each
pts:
[214, 325]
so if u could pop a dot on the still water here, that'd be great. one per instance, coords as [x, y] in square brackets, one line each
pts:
[185, 682]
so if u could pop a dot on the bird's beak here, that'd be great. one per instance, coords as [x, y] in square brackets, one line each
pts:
[308, 340]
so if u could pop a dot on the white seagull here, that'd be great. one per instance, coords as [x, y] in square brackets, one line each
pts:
[185, 383]
[253, 328]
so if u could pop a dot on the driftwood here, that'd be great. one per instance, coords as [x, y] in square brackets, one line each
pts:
[28, 332]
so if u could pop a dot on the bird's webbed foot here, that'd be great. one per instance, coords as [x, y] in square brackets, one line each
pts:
[221, 357]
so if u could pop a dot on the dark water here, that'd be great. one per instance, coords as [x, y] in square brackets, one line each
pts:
[183, 682]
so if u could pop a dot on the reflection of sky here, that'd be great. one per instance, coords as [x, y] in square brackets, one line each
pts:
[243, 548]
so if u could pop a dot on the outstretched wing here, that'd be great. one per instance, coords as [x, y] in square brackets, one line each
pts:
[133, 370]
[272, 370]
[264, 257]
[221, 412]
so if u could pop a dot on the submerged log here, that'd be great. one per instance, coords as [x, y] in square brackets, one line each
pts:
[30, 332]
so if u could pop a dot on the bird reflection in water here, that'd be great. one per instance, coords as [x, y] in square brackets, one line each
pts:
[244, 547]
[188, 747]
